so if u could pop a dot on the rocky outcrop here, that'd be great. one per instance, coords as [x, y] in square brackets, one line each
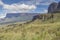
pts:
[52, 7]
[39, 16]
[58, 8]
[43, 17]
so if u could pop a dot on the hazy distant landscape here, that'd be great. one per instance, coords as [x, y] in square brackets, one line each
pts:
[17, 17]
[18, 24]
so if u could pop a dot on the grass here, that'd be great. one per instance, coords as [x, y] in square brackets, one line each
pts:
[36, 30]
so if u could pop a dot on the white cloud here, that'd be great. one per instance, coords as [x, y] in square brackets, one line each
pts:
[43, 2]
[22, 8]
[15, 8]
[19, 7]
[44, 11]
[1, 3]
[3, 14]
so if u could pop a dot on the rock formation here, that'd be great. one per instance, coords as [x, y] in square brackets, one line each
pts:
[52, 7]
[42, 17]
[58, 8]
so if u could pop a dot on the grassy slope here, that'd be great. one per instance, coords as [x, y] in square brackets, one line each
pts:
[36, 30]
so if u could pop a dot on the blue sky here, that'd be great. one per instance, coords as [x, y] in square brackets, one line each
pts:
[24, 6]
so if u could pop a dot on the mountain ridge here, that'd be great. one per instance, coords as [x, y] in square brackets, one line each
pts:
[17, 17]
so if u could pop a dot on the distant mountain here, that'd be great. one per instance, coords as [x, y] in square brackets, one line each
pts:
[17, 17]
[54, 7]
[10, 15]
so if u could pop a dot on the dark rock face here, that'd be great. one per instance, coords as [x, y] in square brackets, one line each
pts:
[58, 7]
[42, 17]
[37, 17]
[52, 7]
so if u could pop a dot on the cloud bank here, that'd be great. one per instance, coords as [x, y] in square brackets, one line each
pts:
[15, 8]
[21, 8]
[26, 6]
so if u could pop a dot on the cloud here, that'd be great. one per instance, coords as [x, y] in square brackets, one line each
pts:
[22, 7]
[3, 14]
[44, 11]
[15, 8]
[19, 7]
[1, 3]
[47, 2]
[43, 2]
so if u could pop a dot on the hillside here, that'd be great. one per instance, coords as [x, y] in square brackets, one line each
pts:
[32, 30]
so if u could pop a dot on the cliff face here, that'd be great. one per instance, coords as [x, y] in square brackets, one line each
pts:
[54, 8]
[58, 7]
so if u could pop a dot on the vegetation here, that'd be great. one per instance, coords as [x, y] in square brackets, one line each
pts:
[35, 30]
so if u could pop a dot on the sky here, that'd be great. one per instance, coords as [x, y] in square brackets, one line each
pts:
[24, 6]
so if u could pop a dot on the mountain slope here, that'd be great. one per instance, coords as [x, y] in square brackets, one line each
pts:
[35, 30]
